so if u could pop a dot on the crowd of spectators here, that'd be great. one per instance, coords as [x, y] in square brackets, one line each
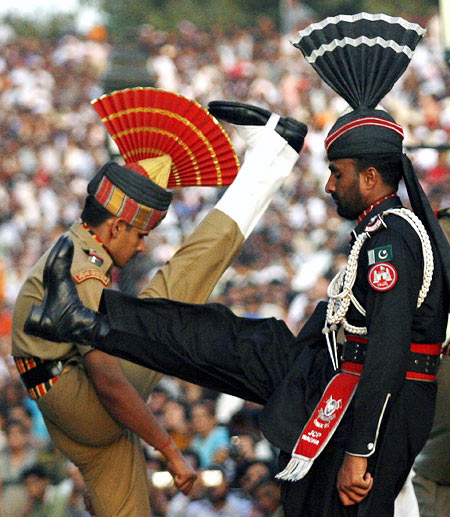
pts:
[52, 142]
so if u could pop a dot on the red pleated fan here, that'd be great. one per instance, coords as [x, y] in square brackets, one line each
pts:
[148, 122]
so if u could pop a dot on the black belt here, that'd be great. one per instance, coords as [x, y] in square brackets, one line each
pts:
[423, 361]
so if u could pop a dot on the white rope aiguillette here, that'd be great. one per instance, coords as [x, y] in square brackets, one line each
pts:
[340, 293]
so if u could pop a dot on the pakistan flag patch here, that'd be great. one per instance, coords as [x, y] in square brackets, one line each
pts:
[381, 254]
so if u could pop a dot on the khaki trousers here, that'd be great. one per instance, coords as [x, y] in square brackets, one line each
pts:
[109, 456]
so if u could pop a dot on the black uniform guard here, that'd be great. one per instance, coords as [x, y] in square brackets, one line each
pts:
[260, 360]
[394, 320]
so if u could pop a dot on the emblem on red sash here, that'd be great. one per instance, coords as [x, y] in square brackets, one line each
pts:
[321, 426]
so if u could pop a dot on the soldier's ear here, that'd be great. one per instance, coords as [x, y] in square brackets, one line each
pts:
[372, 176]
[369, 179]
[115, 226]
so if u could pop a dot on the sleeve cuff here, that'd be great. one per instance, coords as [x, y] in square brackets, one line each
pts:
[365, 446]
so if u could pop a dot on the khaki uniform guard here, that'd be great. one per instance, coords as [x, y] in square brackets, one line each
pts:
[108, 455]
[432, 466]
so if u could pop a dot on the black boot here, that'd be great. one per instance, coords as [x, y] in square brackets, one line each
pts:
[62, 317]
[241, 114]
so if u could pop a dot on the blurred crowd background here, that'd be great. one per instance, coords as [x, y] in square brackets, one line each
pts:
[52, 142]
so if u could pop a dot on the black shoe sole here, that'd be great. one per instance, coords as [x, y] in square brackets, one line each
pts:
[239, 113]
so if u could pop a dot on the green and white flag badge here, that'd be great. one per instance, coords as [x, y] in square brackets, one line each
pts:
[381, 254]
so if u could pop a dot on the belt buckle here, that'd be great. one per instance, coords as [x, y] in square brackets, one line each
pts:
[56, 369]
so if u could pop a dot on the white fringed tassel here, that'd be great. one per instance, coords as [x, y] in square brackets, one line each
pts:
[296, 469]
[332, 349]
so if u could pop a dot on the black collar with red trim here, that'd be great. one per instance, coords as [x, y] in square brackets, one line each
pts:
[373, 205]
[391, 202]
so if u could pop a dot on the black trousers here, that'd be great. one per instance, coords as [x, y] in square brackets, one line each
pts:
[203, 344]
[257, 359]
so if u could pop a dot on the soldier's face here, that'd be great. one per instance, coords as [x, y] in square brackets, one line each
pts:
[344, 186]
[128, 242]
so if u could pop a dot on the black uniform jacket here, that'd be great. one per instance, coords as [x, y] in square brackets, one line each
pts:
[393, 322]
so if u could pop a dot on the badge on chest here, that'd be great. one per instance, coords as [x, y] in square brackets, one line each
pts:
[95, 258]
[382, 276]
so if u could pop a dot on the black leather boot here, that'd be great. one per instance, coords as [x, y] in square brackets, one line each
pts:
[62, 317]
[242, 114]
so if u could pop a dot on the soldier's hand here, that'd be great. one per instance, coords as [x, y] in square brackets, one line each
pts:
[183, 475]
[353, 480]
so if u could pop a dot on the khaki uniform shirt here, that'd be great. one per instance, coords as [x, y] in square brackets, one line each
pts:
[78, 424]
[91, 267]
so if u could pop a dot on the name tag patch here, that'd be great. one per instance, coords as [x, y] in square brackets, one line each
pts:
[91, 273]
[382, 277]
[381, 254]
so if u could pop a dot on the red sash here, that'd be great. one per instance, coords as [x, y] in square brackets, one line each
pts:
[321, 425]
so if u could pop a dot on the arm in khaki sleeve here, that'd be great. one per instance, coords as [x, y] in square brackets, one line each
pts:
[124, 404]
